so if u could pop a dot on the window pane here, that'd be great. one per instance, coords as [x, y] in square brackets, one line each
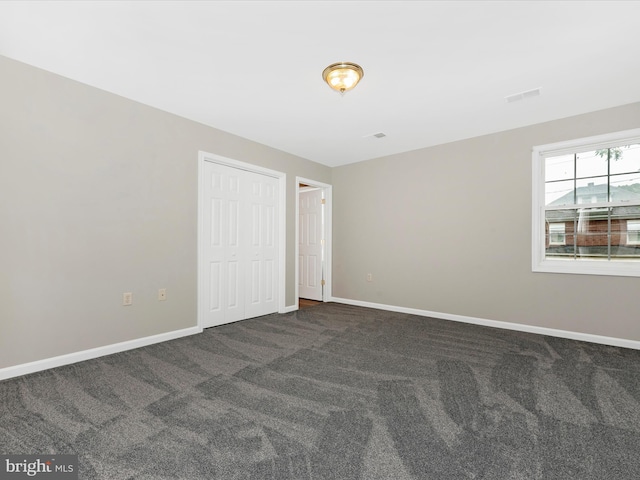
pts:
[558, 193]
[592, 239]
[625, 159]
[591, 190]
[625, 232]
[590, 164]
[625, 188]
[559, 229]
[558, 168]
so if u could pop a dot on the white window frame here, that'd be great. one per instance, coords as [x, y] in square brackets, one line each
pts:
[583, 266]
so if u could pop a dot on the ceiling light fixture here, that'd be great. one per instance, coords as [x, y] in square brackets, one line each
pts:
[342, 76]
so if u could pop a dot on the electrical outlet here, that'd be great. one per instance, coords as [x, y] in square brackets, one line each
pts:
[127, 299]
[369, 277]
[162, 294]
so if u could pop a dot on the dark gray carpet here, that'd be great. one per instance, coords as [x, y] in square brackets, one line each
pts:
[338, 392]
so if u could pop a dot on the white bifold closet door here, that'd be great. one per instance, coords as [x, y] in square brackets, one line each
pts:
[241, 277]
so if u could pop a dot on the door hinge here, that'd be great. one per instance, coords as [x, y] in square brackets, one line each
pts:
[322, 282]
[323, 201]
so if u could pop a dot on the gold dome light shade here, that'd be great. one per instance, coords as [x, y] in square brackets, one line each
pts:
[343, 76]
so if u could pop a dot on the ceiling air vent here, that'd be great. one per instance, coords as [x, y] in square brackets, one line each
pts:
[516, 97]
[376, 135]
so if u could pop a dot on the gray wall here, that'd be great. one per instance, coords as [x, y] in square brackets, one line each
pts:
[98, 196]
[448, 229]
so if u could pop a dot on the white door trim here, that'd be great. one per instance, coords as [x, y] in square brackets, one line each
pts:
[282, 238]
[328, 192]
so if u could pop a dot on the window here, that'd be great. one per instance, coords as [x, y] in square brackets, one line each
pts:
[586, 205]
[633, 232]
[556, 234]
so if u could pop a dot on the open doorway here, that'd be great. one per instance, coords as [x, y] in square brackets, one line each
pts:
[313, 242]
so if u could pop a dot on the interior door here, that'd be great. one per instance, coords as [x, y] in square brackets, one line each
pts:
[310, 248]
[240, 244]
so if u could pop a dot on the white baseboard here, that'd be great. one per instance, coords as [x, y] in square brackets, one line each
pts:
[32, 367]
[585, 337]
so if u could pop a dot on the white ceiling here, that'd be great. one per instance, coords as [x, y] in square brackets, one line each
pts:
[435, 71]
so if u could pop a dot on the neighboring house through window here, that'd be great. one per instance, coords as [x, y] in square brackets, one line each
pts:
[586, 205]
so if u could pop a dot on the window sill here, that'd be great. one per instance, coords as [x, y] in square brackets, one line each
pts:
[589, 267]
